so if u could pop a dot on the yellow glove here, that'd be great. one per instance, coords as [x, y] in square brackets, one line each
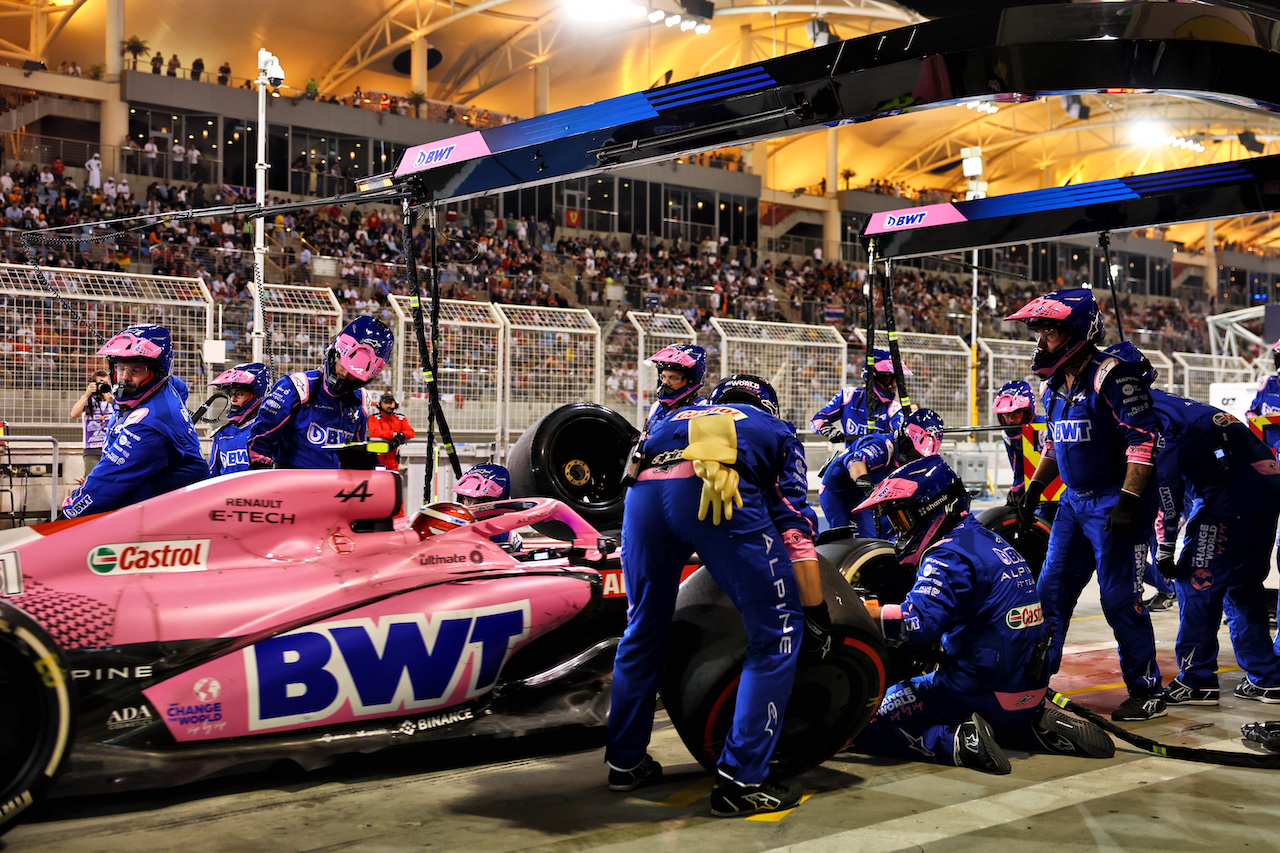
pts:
[713, 447]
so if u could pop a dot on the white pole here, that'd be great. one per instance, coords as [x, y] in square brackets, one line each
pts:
[259, 225]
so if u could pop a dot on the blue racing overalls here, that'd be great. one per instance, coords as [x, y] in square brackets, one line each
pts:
[299, 417]
[748, 559]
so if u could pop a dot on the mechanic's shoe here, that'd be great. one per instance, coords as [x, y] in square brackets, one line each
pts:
[647, 772]
[729, 799]
[976, 748]
[1065, 735]
[1178, 693]
[1141, 708]
[1246, 689]
[1161, 601]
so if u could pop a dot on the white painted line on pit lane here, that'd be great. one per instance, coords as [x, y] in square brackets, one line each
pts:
[915, 831]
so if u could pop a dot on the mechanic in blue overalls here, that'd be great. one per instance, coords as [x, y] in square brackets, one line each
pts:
[307, 411]
[1232, 483]
[245, 385]
[976, 595]
[1103, 435]
[854, 473]
[681, 370]
[846, 416]
[1015, 407]
[489, 482]
[151, 446]
[1267, 402]
[726, 481]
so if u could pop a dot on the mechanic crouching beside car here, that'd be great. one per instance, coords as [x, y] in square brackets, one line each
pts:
[977, 596]
[727, 481]
[151, 445]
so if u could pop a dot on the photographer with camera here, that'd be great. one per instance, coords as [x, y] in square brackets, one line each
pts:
[94, 410]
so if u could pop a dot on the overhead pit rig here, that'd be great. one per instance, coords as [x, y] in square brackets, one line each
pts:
[1008, 56]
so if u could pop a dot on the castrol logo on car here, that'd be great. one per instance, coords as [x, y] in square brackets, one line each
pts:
[129, 558]
[1024, 617]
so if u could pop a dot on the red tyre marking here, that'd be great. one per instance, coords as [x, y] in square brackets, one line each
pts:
[858, 644]
[715, 712]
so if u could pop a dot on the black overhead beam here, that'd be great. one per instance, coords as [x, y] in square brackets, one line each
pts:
[1005, 56]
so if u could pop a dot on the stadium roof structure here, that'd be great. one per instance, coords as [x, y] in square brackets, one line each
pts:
[491, 53]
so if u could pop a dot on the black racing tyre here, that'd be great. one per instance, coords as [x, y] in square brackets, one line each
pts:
[831, 702]
[36, 716]
[577, 454]
[1031, 541]
[870, 564]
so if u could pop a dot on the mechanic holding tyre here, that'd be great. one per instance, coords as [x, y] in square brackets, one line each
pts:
[1103, 435]
[850, 478]
[307, 414]
[727, 481]
[150, 449]
[1234, 489]
[975, 594]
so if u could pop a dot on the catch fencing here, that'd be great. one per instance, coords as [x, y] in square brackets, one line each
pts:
[941, 379]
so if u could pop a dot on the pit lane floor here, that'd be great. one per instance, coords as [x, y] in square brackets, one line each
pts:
[546, 793]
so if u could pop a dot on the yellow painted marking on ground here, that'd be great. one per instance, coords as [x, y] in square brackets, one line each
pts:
[689, 794]
[1098, 688]
[774, 817]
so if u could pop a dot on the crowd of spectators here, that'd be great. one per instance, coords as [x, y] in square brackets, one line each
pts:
[517, 261]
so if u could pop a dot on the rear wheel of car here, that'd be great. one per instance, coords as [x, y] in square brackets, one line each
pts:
[1029, 540]
[35, 712]
[870, 564]
[576, 454]
[831, 702]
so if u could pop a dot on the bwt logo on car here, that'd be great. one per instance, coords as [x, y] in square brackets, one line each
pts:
[173, 555]
[904, 220]
[435, 155]
[379, 667]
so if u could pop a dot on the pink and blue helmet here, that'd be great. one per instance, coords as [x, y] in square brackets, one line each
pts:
[923, 499]
[1015, 397]
[883, 380]
[142, 342]
[689, 359]
[920, 434]
[1076, 312]
[254, 376]
[486, 482]
[363, 349]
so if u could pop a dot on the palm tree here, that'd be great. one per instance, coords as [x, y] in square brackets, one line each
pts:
[847, 175]
[417, 99]
[135, 46]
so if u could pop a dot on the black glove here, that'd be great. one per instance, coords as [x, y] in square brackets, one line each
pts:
[864, 483]
[1029, 502]
[1164, 561]
[397, 440]
[1013, 498]
[831, 431]
[816, 643]
[1123, 521]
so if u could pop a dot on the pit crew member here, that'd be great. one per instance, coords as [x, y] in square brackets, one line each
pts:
[245, 385]
[388, 424]
[846, 416]
[727, 481]
[975, 594]
[1103, 434]
[484, 483]
[1267, 402]
[151, 445]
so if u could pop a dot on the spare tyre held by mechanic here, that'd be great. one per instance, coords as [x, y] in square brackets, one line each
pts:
[729, 482]
[151, 445]
[976, 595]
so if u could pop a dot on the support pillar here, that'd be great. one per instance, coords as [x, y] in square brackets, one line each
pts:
[831, 212]
[541, 89]
[113, 126]
[418, 65]
[1211, 262]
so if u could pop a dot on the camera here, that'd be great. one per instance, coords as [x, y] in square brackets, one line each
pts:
[269, 65]
[104, 387]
